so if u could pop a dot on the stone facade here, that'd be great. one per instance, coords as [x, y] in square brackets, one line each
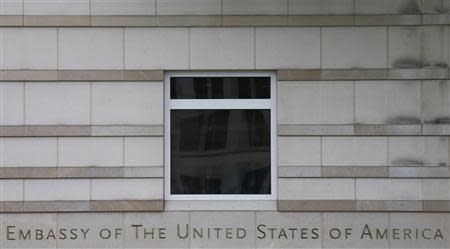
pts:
[363, 98]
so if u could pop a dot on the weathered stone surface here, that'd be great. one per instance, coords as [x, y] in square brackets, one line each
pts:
[28, 172]
[299, 74]
[293, 172]
[56, 20]
[127, 130]
[419, 172]
[265, 21]
[28, 75]
[388, 20]
[387, 129]
[127, 206]
[316, 205]
[56, 206]
[128, 21]
[389, 206]
[315, 130]
[344, 171]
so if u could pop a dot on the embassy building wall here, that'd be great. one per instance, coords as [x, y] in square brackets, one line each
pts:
[224, 124]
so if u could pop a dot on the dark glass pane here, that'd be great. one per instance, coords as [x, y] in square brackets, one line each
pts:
[220, 151]
[220, 88]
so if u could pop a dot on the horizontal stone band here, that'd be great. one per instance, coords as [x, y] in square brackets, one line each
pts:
[81, 130]
[224, 21]
[283, 172]
[80, 172]
[362, 74]
[283, 206]
[81, 75]
[282, 74]
[283, 130]
[363, 171]
[81, 206]
[362, 206]
[365, 130]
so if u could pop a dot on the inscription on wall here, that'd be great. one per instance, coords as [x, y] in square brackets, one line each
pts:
[226, 229]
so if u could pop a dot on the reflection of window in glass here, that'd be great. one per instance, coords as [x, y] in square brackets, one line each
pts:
[220, 136]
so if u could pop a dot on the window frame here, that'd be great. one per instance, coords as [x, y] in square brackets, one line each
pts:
[224, 104]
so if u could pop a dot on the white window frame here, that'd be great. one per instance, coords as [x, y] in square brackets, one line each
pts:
[221, 104]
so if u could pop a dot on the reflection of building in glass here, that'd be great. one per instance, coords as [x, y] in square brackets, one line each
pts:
[220, 151]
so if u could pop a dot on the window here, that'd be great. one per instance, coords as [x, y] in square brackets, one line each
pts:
[220, 136]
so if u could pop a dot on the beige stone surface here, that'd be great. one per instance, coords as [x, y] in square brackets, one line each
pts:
[255, 7]
[56, 20]
[127, 189]
[388, 129]
[11, 7]
[346, 171]
[11, 190]
[127, 103]
[61, 103]
[387, 7]
[11, 103]
[419, 151]
[435, 6]
[28, 48]
[143, 151]
[354, 151]
[416, 47]
[327, 102]
[123, 7]
[356, 47]
[189, 21]
[28, 152]
[256, 21]
[320, 7]
[314, 130]
[316, 189]
[66, 7]
[293, 171]
[317, 205]
[436, 189]
[156, 48]
[93, 48]
[191, 7]
[233, 48]
[375, 20]
[128, 21]
[90, 151]
[299, 151]
[436, 101]
[287, 48]
[127, 130]
[389, 189]
[57, 189]
[387, 102]
[25, 172]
